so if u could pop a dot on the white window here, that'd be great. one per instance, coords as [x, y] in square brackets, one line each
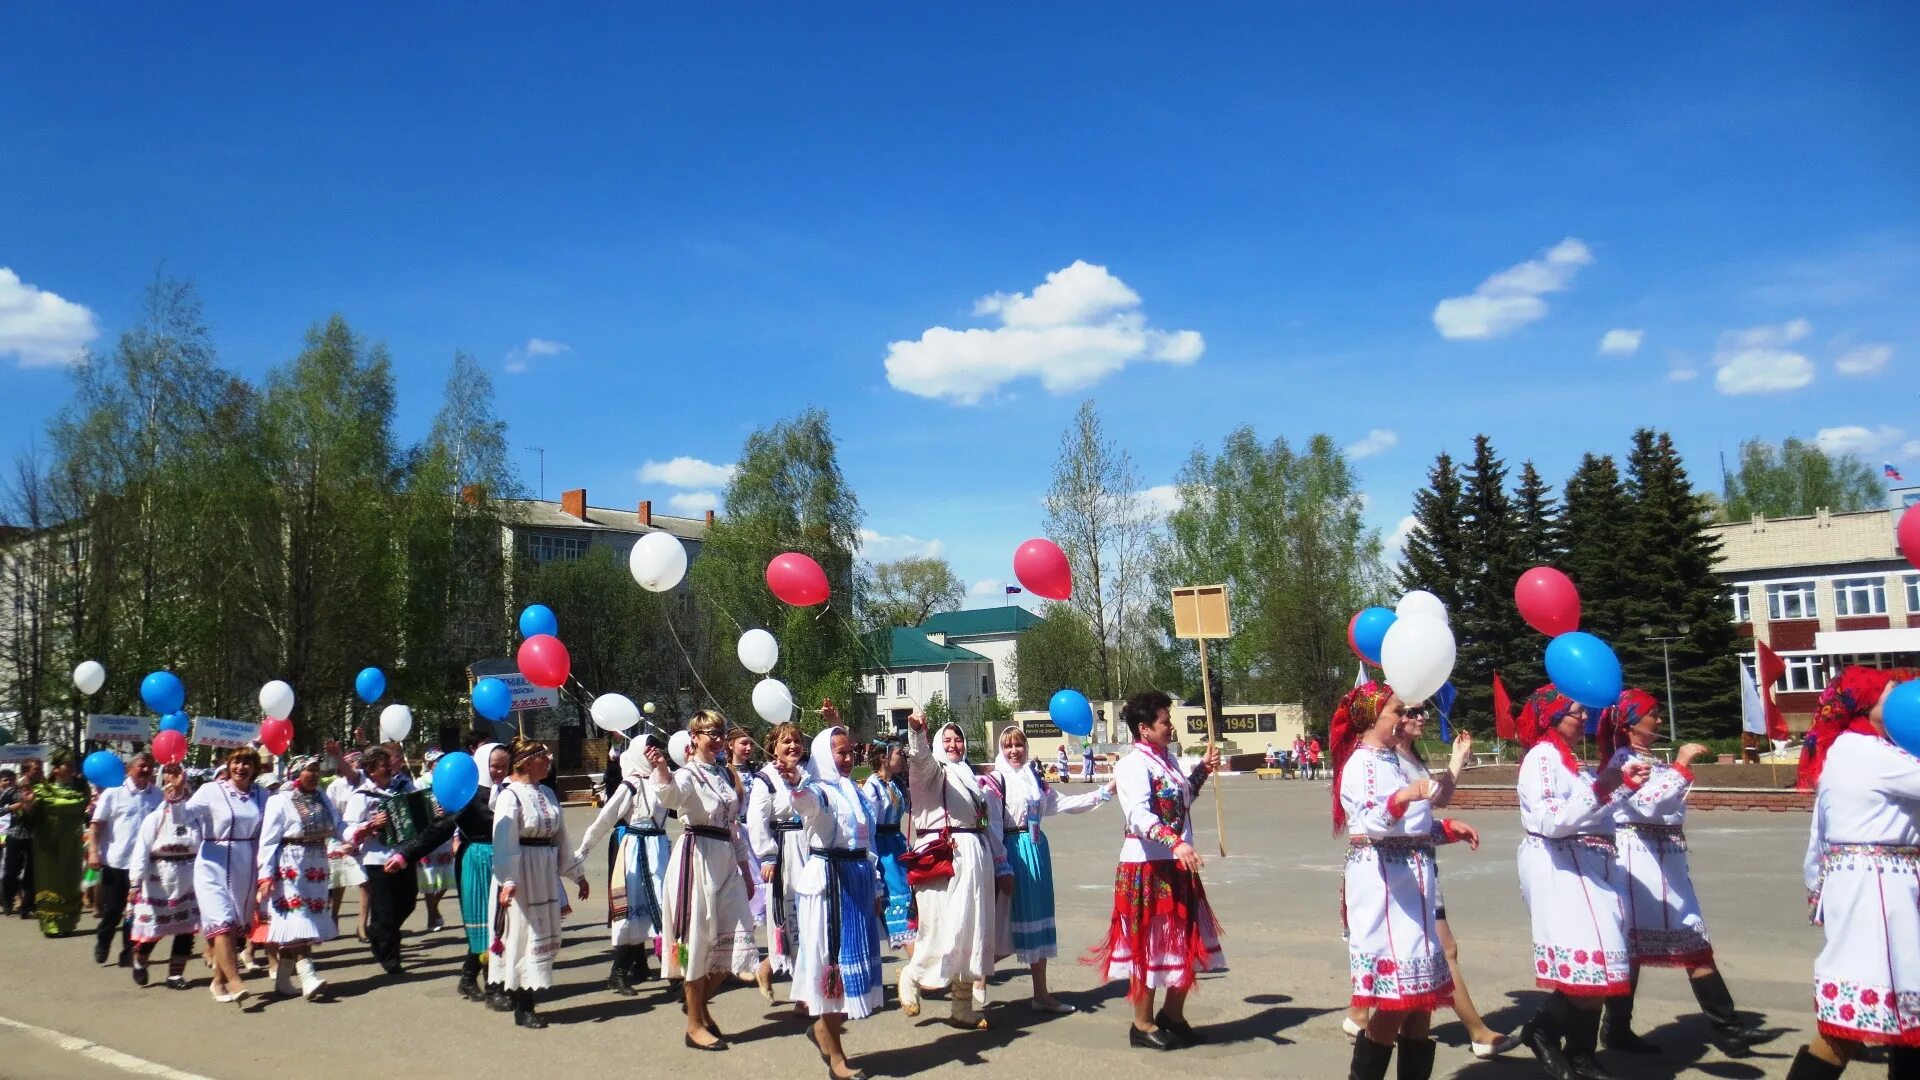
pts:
[543, 548]
[1742, 605]
[1913, 593]
[1791, 600]
[1805, 673]
[900, 686]
[1860, 596]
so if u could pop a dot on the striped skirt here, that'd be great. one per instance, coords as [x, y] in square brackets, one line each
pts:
[476, 882]
[889, 846]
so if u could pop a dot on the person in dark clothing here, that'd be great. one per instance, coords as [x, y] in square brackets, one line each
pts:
[18, 881]
[474, 823]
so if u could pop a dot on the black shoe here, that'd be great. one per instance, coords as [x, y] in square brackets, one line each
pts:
[1808, 1067]
[392, 967]
[1621, 1037]
[140, 976]
[523, 1014]
[713, 1029]
[1542, 1035]
[619, 981]
[176, 982]
[1414, 1058]
[857, 1074]
[126, 959]
[1583, 1037]
[1181, 1030]
[1370, 1059]
[469, 987]
[100, 952]
[691, 1045]
[1150, 1040]
[498, 999]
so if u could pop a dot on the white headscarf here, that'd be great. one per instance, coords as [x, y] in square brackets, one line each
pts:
[633, 766]
[1019, 787]
[821, 767]
[939, 744]
[481, 755]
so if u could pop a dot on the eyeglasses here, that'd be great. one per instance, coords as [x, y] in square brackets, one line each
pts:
[1417, 712]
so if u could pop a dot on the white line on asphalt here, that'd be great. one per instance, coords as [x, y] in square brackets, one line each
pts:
[106, 1055]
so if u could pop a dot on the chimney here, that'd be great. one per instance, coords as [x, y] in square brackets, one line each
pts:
[574, 503]
[938, 637]
[645, 513]
[472, 494]
[709, 519]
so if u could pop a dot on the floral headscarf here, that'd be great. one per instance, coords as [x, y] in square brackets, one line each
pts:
[1634, 704]
[1545, 708]
[1844, 706]
[1356, 714]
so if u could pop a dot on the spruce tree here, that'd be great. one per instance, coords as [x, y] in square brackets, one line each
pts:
[1534, 511]
[1435, 553]
[1593, 532]
[1487, 626]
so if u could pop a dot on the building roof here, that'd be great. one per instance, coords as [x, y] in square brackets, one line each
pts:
[980, 622]
[1818, 539]
[542, 514]
[911, 648]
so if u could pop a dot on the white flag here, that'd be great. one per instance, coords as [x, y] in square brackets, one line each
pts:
[1753, 712]
[1360, 677]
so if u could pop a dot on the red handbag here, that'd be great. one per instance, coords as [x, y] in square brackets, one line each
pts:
[932, 863]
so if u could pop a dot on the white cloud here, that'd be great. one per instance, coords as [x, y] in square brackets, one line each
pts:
[1853, 439]
[875, 545]
[1682, 374]
[1510, 298]
[40, 328]
[1618, 342]
[1910, 449]
[1081, 325]
[685, 472]
[1397, 540]
[1863, 359]
[1758, 360]
[989, 587]
[520, 356]
[693, 503]
[1377, 441]
[1161, 499]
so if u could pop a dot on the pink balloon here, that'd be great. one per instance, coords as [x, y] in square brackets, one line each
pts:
[169, 748]
[1548, 601]
[1042, 568]
[275, 735]
[796, 579]
[544, 661]
[1909, 534]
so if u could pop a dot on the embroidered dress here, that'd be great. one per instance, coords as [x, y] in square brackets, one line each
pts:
[837, 954]
[638, 876]
[889, 804]
[294, 831]
[1664, 924]
[709, 929]
[955, 940]
[343, 863]
[1392, 897]
[223, 874]
[529, 835]
[161, 871]
[775, 838]
[1863, 884]
[1025, 922]
[1573, 886]
[1162, 931]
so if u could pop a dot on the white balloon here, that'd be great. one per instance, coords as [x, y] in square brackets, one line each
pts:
[396, 723]
[1417, 656]
[772, 701]
[679, 745]
[658, 562]
[647, 708]
[1421, 602]
[615, 712]
[89, 677]
[276, 700]
[758, 651]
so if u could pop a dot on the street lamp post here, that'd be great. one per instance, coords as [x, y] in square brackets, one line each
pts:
[1666, 661]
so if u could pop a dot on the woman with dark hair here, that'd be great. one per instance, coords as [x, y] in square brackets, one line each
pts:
[529, 844]
[778, 849]
[295, 827]
[228, 811]
[887, 796]
[638, 874]
[1162, 931]
[57, 809]
[474, 823]
[1863, 881]
[161, 876]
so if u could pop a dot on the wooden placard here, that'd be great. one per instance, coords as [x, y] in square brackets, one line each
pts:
[1200, 611]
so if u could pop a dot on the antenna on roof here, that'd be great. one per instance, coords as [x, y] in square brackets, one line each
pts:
[542, 451]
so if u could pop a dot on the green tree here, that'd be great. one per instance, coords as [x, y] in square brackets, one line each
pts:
[905, 591]
[1535, 511]
[1056, 653]
[616, 632]
[1797, 478]
[1490, 633]
[1096, 515]
[1435, 556]
[1595, 536]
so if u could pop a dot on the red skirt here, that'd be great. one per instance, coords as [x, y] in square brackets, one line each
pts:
[1162, 932]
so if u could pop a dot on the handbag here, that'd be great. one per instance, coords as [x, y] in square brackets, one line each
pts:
[932, 863]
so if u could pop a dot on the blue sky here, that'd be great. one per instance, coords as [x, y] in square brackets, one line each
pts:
[1400, 226]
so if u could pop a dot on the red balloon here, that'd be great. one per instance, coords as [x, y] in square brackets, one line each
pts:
[1351, 643]
[1548, 601]
[169, 748]
[276, 735]
[1042, 568]
[544, 661]
[1909, 534]
[796, 579]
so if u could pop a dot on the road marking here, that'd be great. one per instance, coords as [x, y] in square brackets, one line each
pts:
[106, 1055]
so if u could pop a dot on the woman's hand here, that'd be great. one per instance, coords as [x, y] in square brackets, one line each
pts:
[1212, 760]
[377, 820]
[1462, 747]
[507, 892]
[1688, 754]
[265, 890]
[917, 722]
[1635, 772]
[789, 771]
[1417, 791]
[829, 716]
[1188, 858]
[583, 888]
[766, 873]
[1467, 833]
[1003, 885]
[395, 863]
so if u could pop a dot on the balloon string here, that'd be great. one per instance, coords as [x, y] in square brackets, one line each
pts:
[861, 640]
[693, 670]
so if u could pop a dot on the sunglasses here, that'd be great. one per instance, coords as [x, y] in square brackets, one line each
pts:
[1415, 712]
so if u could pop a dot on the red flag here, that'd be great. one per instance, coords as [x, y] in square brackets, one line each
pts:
[1772, 668]
[1502, 709]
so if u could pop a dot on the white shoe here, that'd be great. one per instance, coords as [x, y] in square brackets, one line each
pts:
[909, 996]
[283, 982]
[1351, 1029]
[1488, 1051]
[310, 981]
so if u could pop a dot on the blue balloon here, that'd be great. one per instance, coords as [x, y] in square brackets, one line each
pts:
[538, 619]
[163, 692]
[1071, 712]
[104, 769]
[455, 779]
[370, 684]
[1370, 629]
[1901, 715]
[492, 699]
[1584, 669]
[176, 722]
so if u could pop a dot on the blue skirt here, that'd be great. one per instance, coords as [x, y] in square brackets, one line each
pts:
[1030, 914]
[476, 894]
[837, 962]
[889, 846]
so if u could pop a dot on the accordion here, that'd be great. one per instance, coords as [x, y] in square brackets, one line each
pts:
[408, 815]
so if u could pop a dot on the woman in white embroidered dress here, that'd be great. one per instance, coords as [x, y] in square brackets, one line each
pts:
[709, 929]
[776, 848]
[1025, 917]
[1863, 882]
[228, 812]
[1574, 890]
[295, 829]
[638, 875]
[836, 972]
[161, 873]
[529, 839]
[954, 947]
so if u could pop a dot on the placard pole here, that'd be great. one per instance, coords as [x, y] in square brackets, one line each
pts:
[1213, 738]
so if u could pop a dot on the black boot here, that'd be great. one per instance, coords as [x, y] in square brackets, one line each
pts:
[1583, 1038]
[1543, 1035]
[1733, 1034]
[523, 1013]
[497, 999]
[637, 969]
[1370, 1059]
[1617, 1032]
[1808, 1067]
[1416, 1059]
[620, 980]
[470, 979]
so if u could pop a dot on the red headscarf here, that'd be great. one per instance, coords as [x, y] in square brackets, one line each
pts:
[1546, 707]
[1356, 715]
[1844, 707]
[1617, 718]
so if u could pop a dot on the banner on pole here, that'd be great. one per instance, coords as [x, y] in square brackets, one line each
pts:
[16, 753]
[103, 727]
[525, 695]
[226, 734]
